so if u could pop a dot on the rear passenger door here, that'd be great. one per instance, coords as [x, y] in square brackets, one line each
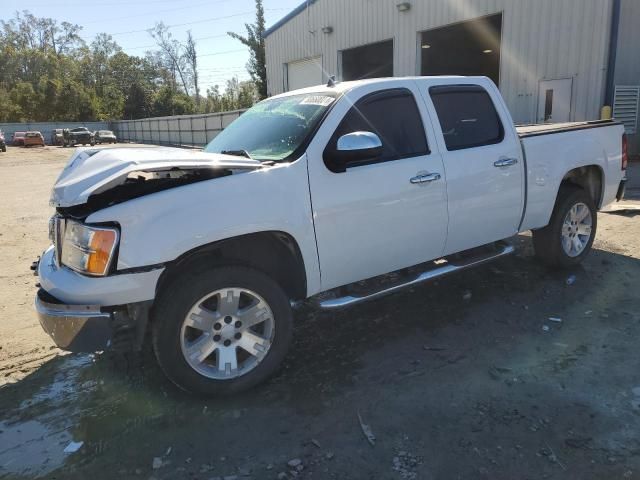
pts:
[483, 165]
[376, 217]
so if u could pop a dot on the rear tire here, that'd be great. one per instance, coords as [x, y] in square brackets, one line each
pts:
[568, 237]
[204, 319]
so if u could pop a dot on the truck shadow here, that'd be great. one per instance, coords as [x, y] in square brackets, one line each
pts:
[486, 329]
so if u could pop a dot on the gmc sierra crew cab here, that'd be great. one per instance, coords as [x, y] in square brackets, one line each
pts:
[314, 196]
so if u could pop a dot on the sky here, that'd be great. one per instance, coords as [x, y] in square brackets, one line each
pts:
[219, 56]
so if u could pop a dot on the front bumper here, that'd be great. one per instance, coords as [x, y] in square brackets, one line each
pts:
[93, 328]
[89, 314]
[77, 328]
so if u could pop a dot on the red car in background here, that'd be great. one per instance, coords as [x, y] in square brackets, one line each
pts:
[17, 139]
[33, 138]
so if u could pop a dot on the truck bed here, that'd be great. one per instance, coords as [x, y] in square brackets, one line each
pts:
[549, 128]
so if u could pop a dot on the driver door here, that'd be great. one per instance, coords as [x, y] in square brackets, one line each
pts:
[378, 215]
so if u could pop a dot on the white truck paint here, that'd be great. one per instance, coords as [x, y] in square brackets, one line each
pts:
[373, 218]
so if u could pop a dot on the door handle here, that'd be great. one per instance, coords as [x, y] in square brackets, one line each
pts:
[505, 162]
[425, 178]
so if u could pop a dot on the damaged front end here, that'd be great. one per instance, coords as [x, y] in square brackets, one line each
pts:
[94, 179]
[141, 183]
[87, 303]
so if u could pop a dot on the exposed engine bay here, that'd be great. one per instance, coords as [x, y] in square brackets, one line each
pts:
[95, 179]
[139, 184]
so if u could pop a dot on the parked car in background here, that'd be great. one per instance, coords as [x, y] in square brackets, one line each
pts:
[105, 136]
[77, 136]
[33, 138]
[17, 139]
[3, 145]
[56, 137]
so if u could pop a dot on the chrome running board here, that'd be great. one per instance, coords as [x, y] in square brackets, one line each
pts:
[442, 267]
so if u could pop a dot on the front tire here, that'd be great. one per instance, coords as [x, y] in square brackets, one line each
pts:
[222, 331]
[568, 238]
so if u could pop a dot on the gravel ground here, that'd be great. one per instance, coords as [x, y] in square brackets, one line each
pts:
[507, 371]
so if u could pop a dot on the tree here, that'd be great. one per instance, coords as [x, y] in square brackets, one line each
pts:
[169, 102]
[172, 50]
[137, 102]
[237, 95]
[102, 49]
[257, 65]
[47, 73]
[192, 61]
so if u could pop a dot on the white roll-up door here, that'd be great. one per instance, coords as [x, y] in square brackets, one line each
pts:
[304, 73]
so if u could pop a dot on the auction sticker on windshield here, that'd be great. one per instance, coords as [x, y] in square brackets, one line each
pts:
[322, 100]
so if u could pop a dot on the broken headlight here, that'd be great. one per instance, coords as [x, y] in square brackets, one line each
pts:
[88, 250]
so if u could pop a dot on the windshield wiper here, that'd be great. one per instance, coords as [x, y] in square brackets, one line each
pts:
[237, 153]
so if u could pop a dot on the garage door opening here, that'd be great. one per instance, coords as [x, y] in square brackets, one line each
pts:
[369, 61]
[304, 73]
[466, 48]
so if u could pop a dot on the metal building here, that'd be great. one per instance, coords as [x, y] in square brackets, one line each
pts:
[554, 60]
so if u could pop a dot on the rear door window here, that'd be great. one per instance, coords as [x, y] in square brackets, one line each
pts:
[467, 116]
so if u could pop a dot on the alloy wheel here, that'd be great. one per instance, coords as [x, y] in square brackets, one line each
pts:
[227, 333]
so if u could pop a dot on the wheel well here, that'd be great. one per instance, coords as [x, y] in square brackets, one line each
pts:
[588, 178]
[274, 253]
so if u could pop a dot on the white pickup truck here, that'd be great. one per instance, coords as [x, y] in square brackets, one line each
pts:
[313, 195]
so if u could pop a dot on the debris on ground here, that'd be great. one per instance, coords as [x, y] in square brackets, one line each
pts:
[368, 433]
[555, 319]
[73, 447]
[548, 452]
[316, 443]
[466, 296]
[545, 328]
[157, 463]
[405, 464]
[244, 471]
[577, 442]
[571, 279]
[497, 372]
[294, 463]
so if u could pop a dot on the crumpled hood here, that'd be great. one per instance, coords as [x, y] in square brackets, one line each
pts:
[95, 170]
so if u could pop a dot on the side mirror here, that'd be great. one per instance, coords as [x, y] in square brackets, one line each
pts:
[353, 148]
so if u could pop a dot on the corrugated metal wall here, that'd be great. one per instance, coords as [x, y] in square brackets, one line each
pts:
[542, 39]
[628, 57]
[179, 130]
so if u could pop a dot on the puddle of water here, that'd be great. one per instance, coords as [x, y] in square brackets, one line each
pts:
[64, 387]
[35, 446]
[31, 448]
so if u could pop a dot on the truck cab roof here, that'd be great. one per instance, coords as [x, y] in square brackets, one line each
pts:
[343, 87]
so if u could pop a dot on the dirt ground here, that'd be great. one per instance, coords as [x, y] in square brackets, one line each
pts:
[507, 371]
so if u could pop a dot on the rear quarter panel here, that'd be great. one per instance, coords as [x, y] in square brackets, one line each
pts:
[550, 157]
